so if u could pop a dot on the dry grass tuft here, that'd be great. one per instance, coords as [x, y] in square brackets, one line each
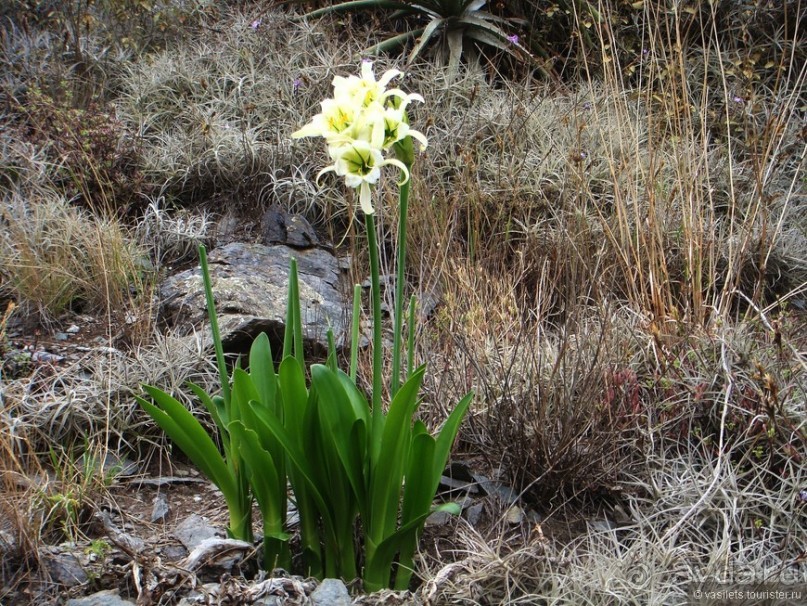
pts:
[55, 256]
[92, 398]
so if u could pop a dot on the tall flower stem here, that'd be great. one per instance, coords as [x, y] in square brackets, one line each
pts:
[375, 294]
[403, 209]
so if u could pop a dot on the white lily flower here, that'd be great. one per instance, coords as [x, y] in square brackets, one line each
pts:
[360, 164]
[333, 122]
[360, 123]
[396, 128]
[366, 89]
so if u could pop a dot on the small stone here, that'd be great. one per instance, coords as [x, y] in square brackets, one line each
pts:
[173, 553]
[194, 530]
[474, 513]
[45, 357]
[439, 518]
[61, 336]
[514, 515]
[65, 569]
[160, 509]
[504, 493]
[110, 597]
[331, 592]
[72, 329]
[278, 226]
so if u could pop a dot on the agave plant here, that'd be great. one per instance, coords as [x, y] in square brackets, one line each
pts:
[457, 20]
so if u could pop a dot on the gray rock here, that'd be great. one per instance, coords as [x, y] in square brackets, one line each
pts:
[194, 530]
[173, 553]
[109, 597]
[474, 513]
[64, 569]
[514, 515]
[506, 494]
[278, 226]
[331, 592]
[160, 509]
[250, 283]
[439, 518]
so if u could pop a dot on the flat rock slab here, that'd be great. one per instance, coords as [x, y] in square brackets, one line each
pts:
[250, 283]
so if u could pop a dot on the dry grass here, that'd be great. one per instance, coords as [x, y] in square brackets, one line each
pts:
[56, 256]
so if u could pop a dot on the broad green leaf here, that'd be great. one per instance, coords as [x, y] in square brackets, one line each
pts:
[360, 405]
[184, 429]
[295, 396]
[445, 439]
[378, 568]
[388, 467]
[264, 479]
[214, 408]
[418, 489]
[298, 459]
[244, 391]
[338, 418]
[269, 489]
[262, 371]
[427, 34]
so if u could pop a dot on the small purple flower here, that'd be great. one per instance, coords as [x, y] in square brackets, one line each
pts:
[738, 99]
[587, 105]
[255, 24]
[514, 38]
[297, 84]
[803, 496]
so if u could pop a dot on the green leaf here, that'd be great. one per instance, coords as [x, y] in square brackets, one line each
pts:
[427, 34]
[418, 489]
[243, 391]
[214, 324]
[392, 43]
[338, 420]
[377, 569]
[445, 439]
[269, 488]
[218, 412]
[297, 457]
[262, 371]
[295, 396]
[266, 485]
[389, 458]
[186, 431]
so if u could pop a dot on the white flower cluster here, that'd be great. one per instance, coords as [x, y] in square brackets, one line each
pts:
[362, 121]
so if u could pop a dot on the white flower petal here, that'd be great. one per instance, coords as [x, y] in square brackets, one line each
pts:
[365, 199]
